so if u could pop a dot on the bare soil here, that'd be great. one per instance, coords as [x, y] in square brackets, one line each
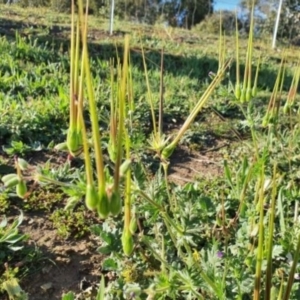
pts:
[67, 264]
[72, 264]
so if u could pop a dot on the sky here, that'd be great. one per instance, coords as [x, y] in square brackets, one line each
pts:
[226, 4]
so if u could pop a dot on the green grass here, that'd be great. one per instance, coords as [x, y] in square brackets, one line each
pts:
[193, 241]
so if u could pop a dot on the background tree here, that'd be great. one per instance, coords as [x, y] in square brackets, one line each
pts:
[266, 10]
[195, 11]
[185, 13]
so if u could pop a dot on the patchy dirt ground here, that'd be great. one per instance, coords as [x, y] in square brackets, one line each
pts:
[186, 166]
[74, 264]
[66, 264]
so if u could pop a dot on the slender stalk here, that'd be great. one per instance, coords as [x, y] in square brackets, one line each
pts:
[220, 42]
[254, 90]
[250, 47]
[149, 94]
[122, 95]
[259, 255]
[161, 94]
[200, 104]
[92, 106]
[72, 58]
[76, 65]
[270, 238]
[113, 122]
[127, 204]
[292, 272]
[237, 87]
[87, 159]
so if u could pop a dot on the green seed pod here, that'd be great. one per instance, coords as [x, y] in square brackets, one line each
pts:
[23, 164]
[11, 181]
[112, 152]
[266, 120]
[133, 225]
[73, 141]
[254, 91]
[61, 147]
[167, 152]
[79, 137]
[237, 92]
[125, 167]
[21, 188]
[103, 205]
[8, 177]
[286, 108]
[115, 204]
[91, 197]
[243, 95]
[248, 94]
[127, 242]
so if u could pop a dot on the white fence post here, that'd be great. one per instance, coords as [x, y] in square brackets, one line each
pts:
[276, 24]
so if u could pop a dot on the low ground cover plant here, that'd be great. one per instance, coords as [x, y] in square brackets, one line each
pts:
[235, 236]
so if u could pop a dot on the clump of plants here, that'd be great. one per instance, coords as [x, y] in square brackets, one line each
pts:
[235, 237]
[11, 241]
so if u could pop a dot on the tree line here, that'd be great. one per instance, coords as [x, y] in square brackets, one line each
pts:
[191, 13]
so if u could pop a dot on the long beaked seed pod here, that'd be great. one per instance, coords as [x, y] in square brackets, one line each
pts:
[23, 164]
[243, 95]
[254, 91]
[21, 188]
[167, 151]
[237, 92]
[125, 167]
[133, 225]
[91, 197]
[61, 146]
[72, 141]
[127, 242]
[248, 94]
[103, 205]
[115, 204]
[8, 177]
[10, 180]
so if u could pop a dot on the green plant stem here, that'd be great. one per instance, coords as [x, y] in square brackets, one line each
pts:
[42, 178]
[122, 95]
[237, 51]
[113, 125]
[162, 211]
[87, 159]
[218, 78]
[72, 58]
[144, 240]
[252, 130]
[127, 205]
[161, 95]
[149, 94]
[270, 238]
[76, 65]
[92, 107]
[165, 168]
[259, 256]
[256, 73]
[146, 197]
[292, 272]
[250, 48]
[202, 274]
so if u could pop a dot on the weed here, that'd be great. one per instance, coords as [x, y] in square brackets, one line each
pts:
[71, 224]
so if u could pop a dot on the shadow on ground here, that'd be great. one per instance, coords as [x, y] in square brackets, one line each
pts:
[179, 65]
